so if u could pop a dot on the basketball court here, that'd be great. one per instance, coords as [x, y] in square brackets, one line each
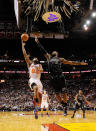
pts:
[25, 121]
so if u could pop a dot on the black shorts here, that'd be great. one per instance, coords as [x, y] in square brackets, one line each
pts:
[58, 83]
[79, 106]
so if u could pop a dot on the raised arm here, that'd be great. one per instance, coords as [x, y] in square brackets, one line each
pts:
[47, 55]
[64, 61]
[28, 61]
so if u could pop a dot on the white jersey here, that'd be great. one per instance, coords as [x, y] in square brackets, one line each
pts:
[34, 75]
[44, 103]
[34, 71]
[44, 98]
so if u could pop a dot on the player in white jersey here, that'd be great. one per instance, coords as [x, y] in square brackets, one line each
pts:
[34, 75]
[44, 102]
[35, 70]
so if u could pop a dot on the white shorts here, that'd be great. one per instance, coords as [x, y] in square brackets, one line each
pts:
[44, 105]
[37, 82]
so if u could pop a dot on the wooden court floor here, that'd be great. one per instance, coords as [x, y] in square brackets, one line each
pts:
[25, 121]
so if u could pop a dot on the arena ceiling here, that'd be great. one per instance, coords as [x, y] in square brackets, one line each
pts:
[73, 26]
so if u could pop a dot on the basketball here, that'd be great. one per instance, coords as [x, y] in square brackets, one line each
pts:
[24, 37]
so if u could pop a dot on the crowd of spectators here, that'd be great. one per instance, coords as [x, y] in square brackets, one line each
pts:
[15, 95]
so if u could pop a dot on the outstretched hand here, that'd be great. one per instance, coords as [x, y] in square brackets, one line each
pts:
[36, 39]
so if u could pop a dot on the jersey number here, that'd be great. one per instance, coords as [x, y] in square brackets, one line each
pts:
[35, 70]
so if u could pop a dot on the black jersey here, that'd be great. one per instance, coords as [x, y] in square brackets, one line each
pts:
[80, 99]
[55, 68]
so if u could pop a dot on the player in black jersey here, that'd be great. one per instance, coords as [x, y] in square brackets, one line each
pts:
[80, 102]
[57, 79]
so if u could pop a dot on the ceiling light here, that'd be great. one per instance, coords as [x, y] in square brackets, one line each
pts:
[86, 28]
[94, 14]
[88, 22]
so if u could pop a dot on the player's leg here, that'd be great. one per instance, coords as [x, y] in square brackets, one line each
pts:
[34, 88]
[83, 109]
[60, 99]
[57, 85]
[35, 110]
[47, 112]
[40, 88]
[75, 109]
[57, 89]
[64, 104]
[41, 112]
[47, 109]
[65, 98]
[39, 97]
[42, 107]
[64, 93]
[83, 113]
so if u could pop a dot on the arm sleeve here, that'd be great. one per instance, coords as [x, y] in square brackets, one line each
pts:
[41, 48]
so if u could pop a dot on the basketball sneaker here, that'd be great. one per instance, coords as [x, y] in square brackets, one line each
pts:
[35, 113]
